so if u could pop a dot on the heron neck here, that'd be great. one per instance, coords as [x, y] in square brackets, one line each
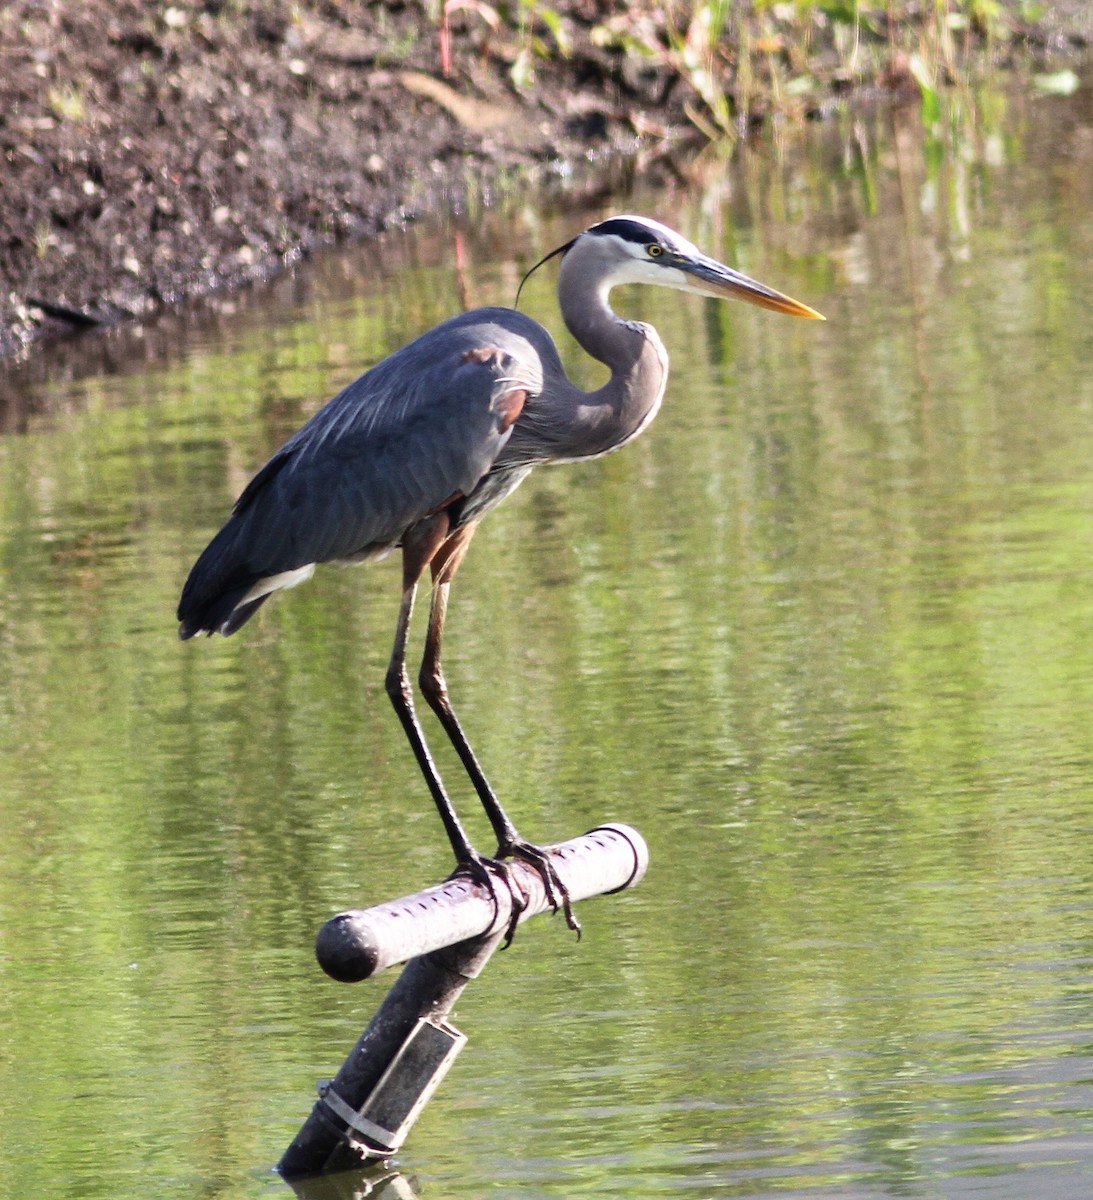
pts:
[590, 319]
[626, 404]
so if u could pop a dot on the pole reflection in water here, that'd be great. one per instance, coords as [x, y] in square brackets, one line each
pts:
[372, 1183]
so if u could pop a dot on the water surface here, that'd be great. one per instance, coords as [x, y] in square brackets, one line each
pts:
[822, 635]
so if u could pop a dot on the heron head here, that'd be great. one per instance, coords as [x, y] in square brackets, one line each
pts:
[632, 249]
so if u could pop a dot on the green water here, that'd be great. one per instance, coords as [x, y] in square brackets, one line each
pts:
[823, 635]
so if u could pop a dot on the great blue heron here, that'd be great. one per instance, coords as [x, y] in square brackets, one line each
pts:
[415, 452]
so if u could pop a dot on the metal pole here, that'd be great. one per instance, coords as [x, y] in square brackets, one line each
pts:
[366, 1111]
[359, 943]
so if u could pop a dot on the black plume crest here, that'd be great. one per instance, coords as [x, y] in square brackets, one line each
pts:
[545, 259]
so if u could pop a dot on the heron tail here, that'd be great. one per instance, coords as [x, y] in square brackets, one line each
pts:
[224, 614]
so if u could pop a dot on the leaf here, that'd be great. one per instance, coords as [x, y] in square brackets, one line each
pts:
[521, 72]
[552, 19]
[931, 102]
[1058, 83]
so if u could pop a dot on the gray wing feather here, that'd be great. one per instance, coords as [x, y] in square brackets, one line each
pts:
[403, 439]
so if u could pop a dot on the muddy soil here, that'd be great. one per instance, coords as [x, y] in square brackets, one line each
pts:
[154, 151]
[151, 152]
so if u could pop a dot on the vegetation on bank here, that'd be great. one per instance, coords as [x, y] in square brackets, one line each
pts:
[731, 63]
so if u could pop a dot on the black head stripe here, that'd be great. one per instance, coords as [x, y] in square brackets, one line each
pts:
[629, 231]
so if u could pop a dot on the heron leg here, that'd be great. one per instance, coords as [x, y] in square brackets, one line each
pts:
[418, 549]
[416, 556]
[434, 688]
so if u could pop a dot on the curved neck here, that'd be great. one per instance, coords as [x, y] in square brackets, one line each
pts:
[590, 319]
[629, 400]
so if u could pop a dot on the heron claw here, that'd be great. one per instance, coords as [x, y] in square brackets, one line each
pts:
[484, 871]
[557, 893]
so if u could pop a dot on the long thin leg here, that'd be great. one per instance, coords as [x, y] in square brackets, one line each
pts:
[415, 558]
[419, 548]
[434, 688]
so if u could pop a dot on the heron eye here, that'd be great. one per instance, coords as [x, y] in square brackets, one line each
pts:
[654, 251]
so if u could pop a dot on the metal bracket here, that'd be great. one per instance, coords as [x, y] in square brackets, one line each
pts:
[403, 1090]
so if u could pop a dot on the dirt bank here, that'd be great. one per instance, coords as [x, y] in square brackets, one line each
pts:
[151, 151]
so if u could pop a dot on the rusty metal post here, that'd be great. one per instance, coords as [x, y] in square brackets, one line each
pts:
[451, 931]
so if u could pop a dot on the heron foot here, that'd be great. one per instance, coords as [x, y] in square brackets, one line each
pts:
[557, 893]
[486, 871]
